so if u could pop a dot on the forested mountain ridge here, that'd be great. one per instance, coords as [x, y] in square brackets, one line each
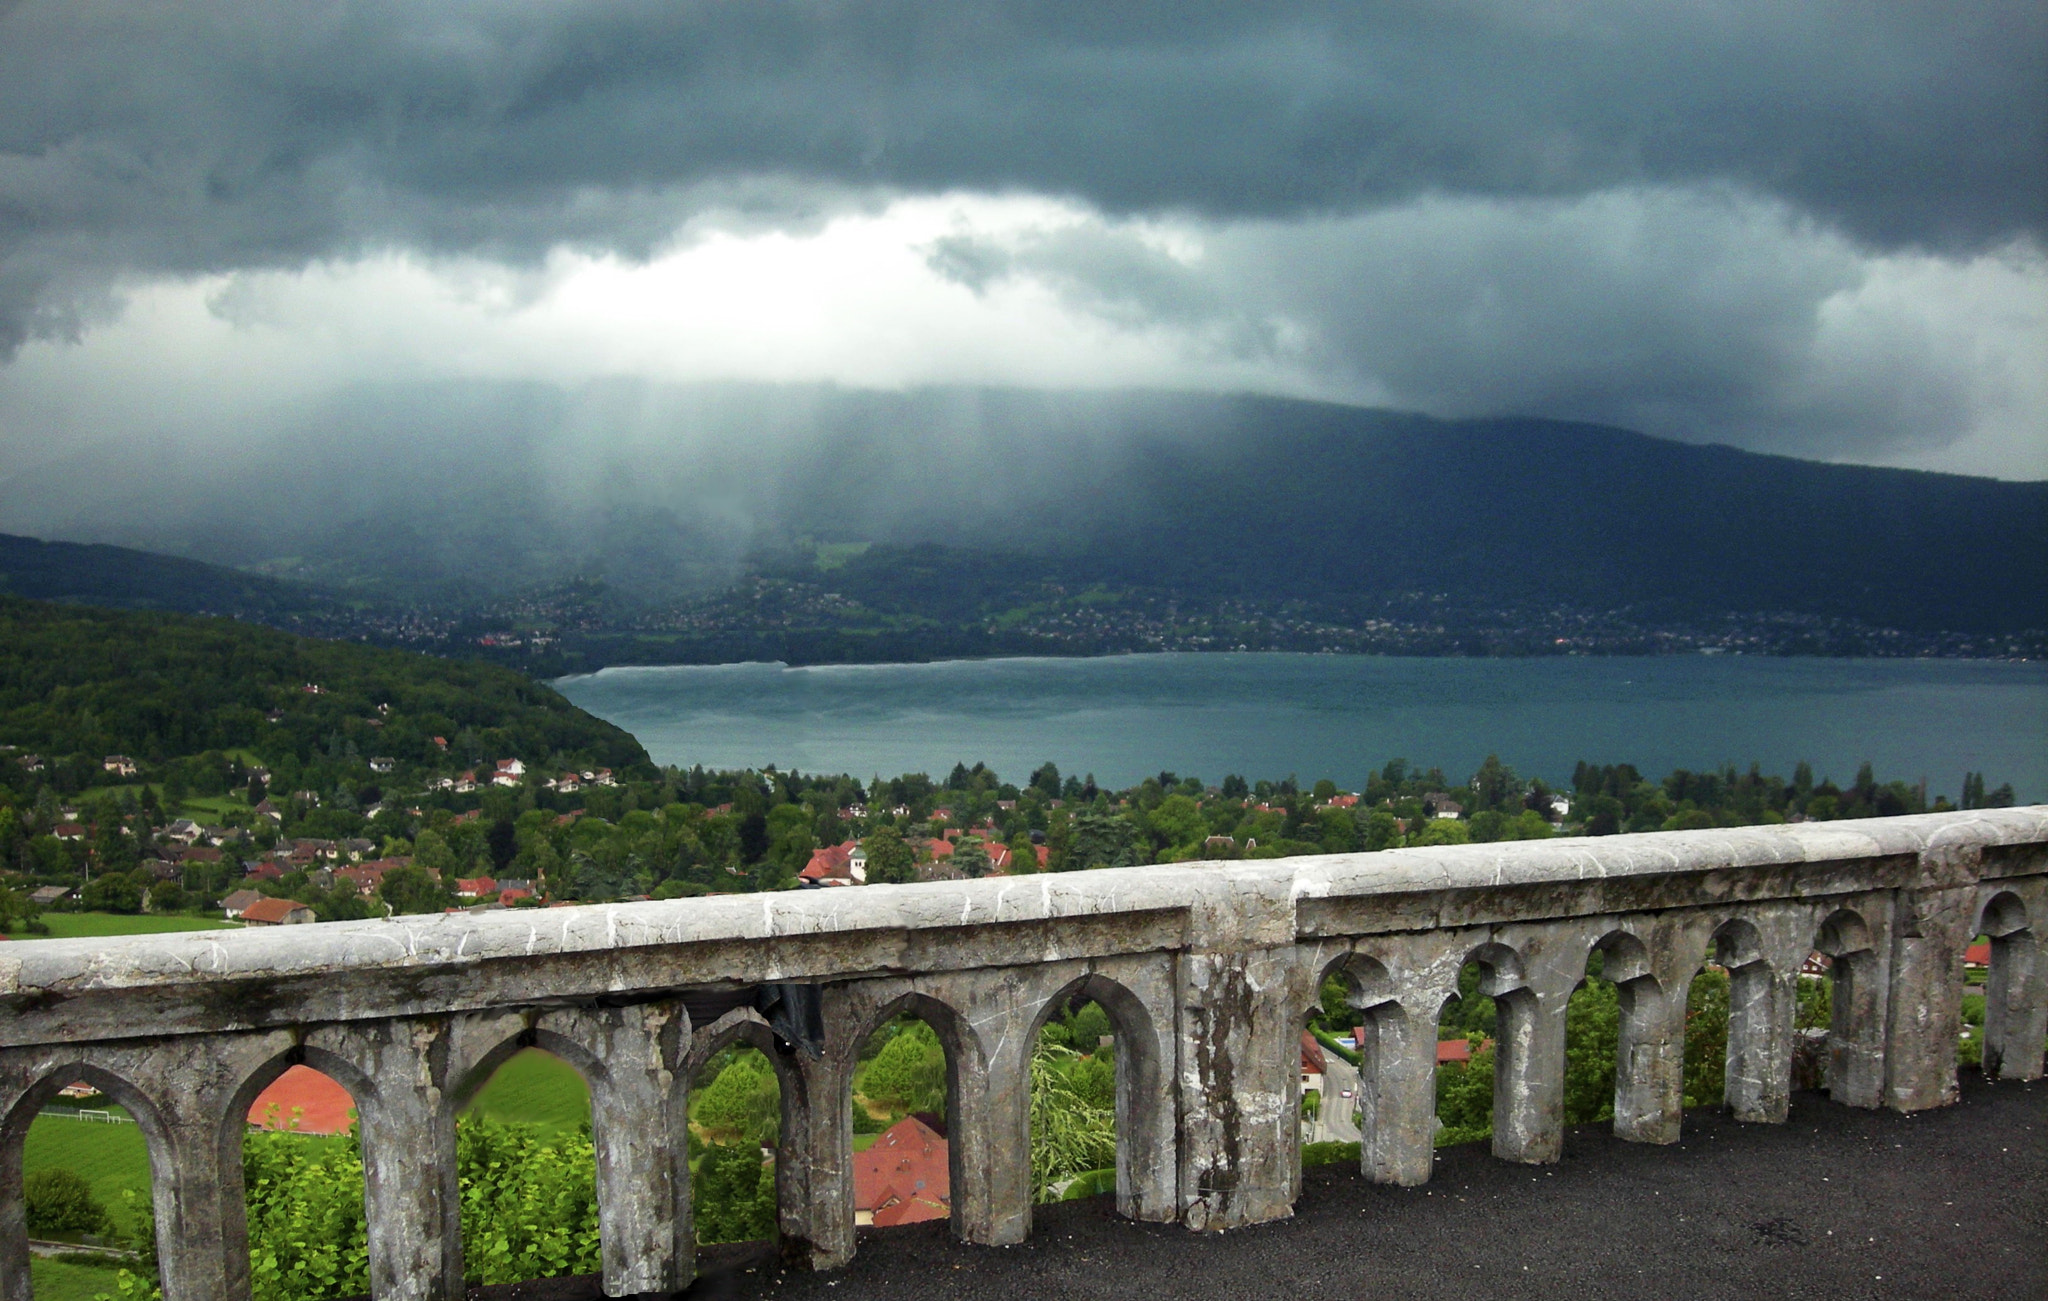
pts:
[1342, 501]
[76, 681]
[1139, 522]
[123, 578]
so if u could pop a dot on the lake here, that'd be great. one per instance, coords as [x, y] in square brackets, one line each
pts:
[1267, 716]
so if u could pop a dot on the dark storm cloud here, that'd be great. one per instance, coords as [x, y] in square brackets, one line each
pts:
[207, 136]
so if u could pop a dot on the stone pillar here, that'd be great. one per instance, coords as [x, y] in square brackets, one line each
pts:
[185, 1184]
[1528, 1081]
[638, 1119]
[2015, 1008]
[792, 1154]
[1925, 1012]
[827, 1215]
[990, 1206]
[1397, 1095]
[1759, 1072]
[1856, 1031]
[1649, 1062]
[410, 1189]
[1240, 1061]
[995, 1163]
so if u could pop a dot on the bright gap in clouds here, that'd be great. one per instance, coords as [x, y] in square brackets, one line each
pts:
[1701, 315]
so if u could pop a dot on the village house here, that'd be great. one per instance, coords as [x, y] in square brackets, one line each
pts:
[842, 864]
[475, 887]
[69, 831]
[1313, 1064]
[45, 896]
[905, 1177]
[233, 904]
[120, 765]
[382, 764]
[276, 912]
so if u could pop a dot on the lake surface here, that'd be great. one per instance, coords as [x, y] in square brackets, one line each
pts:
[1263, 715]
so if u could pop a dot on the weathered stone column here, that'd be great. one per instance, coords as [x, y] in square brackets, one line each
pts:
[1397, 1095]
[984, 1155]
[1759, 1070]
[1856, 1031]
[827, 1213]
[1528, 1088]
[1649, 1062]
[996, 1161]
[1240, 1060]
[1925, 1015]
[638, 1116]
[411, 1191]
[2015, 1007]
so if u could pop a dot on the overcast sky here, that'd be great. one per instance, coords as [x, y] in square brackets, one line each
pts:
[1814, 228]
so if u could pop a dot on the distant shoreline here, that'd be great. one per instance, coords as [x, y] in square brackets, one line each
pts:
[1052, 657]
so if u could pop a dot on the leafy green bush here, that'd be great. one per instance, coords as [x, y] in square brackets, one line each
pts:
[740, 1105]
[1329, 1154]
[1073, 1125]
[1090, 1183]
[61, 1201]
[529, 1202]
[734, 1194]
[909, 1074]
[307, 1235]
[1706, 1039]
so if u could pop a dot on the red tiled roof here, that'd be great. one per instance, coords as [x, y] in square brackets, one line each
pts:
[1458, 1050]
[1312, 1060]
[905, 1176]
[1978, 955]
[271, 912]
[322, 1105]
[830, 862]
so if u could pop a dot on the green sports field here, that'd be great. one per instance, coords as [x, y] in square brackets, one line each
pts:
[80, 926]
[55, 1280]
[535, 1088]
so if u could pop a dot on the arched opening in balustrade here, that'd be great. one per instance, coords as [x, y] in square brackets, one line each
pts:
[292, 1181]
[1613, 1054]
[1095, 1074]
[82, 1154]
[1838, 1021]
[527, 1163]
[2007, 1023]
[1470, 1024]
[745, 1126]
[906, 1095]
[1752, 1079]
[1372, 1061]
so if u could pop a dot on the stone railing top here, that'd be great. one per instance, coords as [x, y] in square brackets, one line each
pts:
[1217, 892]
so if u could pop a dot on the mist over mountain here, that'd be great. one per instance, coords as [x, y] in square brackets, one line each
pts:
[665, 492]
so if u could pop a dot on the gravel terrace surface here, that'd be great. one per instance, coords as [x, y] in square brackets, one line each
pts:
[1837, 1203]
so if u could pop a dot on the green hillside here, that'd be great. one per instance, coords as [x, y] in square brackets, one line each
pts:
[85, 682]
[123, 578]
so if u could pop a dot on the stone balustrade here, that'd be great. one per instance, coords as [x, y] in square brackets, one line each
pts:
[1207, 972]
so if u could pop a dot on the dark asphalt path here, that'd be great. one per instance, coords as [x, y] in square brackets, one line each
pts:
[1836, 1204]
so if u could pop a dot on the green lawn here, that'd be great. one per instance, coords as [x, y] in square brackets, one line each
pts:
[112, 1158]
[535, 1088]
[78, 926]
[62, 1281]
[211, 806]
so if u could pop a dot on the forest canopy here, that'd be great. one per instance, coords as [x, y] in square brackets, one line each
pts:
[75, 680]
